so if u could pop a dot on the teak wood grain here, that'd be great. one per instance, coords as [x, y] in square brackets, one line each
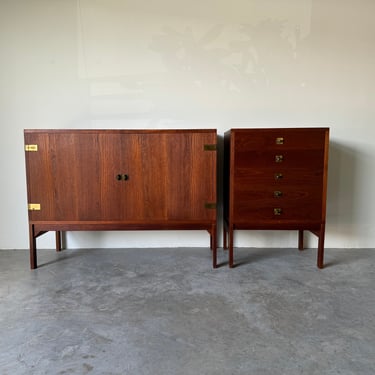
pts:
[271, 184]
[121, 180]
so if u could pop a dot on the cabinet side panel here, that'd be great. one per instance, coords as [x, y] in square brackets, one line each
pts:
[325, 175]
[226, 176]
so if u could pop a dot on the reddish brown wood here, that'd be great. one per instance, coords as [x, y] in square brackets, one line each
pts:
[121, 180]
[213, 244]
[262, 177]
[58, 240]
[320, 260]
[33, 255]
[300, 240]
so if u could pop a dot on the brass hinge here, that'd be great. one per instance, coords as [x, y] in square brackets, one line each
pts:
[211, 147]
[31, 147]
[210, 205]
[33, 206]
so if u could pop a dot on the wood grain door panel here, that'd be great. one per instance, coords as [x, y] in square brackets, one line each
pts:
[75, 176]
[65, 177]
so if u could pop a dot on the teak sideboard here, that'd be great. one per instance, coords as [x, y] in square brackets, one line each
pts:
[276, 179]
[120, 180]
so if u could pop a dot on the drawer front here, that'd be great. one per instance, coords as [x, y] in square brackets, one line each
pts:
[266, 214]
[278, 205]
[247, 178]
[278, 139]
[279, 159]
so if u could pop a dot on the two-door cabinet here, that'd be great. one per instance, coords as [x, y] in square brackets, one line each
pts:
[120, 180]
[276, 179]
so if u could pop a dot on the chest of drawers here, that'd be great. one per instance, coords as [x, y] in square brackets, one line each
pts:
[276, 179]
[120, 180]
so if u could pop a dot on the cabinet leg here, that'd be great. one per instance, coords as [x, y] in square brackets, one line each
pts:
[320, 259]
[230, 233]
[300, 240]
[214, 258]
[32, 240]
[58, 240]
[225, 238]
[214, 246]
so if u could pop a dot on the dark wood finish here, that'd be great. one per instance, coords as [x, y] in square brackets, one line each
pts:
[58, 240]
[121, 180]
[271, 184]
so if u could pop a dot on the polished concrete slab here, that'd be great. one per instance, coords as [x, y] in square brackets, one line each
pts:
[167, 312]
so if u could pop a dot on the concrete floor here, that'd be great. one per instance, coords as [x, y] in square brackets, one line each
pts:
[167, 312]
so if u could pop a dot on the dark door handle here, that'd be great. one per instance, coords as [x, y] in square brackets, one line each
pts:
[122, 177]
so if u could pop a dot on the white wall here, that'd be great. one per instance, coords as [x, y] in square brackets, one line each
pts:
[195, 64]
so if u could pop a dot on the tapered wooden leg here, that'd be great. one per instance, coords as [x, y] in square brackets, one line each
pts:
[225, 237]
[300, 240]
[32, 240]
[320, 260]
[230, 233]
[214, 246]
[58, 240]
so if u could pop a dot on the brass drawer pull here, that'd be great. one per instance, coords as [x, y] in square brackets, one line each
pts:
[278, 176]
[280, 140]
[277, 211]
[279, 158]
[277, 194]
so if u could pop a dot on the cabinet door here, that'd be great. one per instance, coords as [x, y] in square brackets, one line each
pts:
[170, 177]
[64, 176]
[191, 176]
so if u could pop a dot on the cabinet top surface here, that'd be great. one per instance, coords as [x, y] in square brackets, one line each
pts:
[121, 131]
[235, 130]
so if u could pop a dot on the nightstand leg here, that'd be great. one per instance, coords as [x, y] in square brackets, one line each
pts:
[230, 232]
[58, 240]
[225, 237]
[214, 258]
[214, 245]
[32, 239]
[300, 240]
[320, 260]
